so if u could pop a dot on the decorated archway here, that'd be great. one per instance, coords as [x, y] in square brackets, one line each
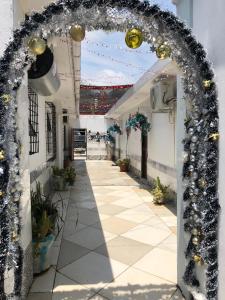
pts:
[200, 168]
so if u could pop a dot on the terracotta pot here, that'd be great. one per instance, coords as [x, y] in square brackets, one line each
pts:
[123, 168]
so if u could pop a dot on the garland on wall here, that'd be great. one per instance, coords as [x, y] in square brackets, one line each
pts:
[162, 30]
[138, 121]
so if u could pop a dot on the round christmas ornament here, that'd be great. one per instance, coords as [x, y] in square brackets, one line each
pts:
[198, 259]
[163, 51]
[214, 136]
[195, 241]
[2, 155]
[37, 45]
[134, 38]
[207, 83]
[77, 33]
[6, 98]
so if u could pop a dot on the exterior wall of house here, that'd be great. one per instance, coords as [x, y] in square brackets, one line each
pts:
[161, 144]
[92, 122]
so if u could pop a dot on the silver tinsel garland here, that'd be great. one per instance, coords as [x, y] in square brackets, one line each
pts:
[200, 144]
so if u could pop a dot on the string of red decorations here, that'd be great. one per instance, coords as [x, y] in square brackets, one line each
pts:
[110, 87]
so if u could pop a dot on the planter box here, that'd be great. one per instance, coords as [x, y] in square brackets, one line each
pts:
[42, 254]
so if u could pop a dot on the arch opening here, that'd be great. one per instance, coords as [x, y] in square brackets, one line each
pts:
[200, 143]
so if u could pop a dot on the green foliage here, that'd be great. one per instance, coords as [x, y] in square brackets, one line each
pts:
[138, 121]
[160, 191]
[57, 171]
[44, 215]
[125, 161]
[115, 128]
[70, 175]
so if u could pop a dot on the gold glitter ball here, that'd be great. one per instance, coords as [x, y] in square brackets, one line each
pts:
[195, 240]
[163, 51]
[134, 38]
[6, 98]
[77, 33]
[14, 236]
[202, 182]
[2, 155]
[207, 83]
[37, 45]
[198, 259]
[1, 193]
[214, 136]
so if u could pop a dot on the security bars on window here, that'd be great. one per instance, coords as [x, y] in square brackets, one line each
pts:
[33, 121]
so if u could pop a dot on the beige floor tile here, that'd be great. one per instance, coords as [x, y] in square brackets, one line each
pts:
[124, 250]
[170, 220]
[129, 202]
[134, 284]
[161, 263]
[44, 283]
[90, 237]
[39, 296]
[94, 270]
[110, 209]
[137, 215]
[115, 225]
[170, 243]
[70, 252]
[147, 234]
[67, 289]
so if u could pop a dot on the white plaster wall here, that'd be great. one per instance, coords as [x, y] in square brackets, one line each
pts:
[92, 122]
[161, 143]
[209, 27]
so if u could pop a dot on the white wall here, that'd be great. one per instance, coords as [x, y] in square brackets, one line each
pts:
[92, 122]
[161, 144]
[209, 27]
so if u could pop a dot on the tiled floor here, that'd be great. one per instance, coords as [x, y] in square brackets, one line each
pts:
[115, 244]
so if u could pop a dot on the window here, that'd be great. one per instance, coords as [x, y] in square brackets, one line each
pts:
[33, 121]
[50, 121]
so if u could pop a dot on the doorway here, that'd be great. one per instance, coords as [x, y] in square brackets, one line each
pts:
[144, 155]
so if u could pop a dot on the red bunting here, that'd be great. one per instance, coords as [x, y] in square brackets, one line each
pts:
[111, 87]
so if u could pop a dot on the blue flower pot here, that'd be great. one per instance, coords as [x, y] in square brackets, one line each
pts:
[42, 254]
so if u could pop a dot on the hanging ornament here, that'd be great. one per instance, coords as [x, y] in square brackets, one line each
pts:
[14, 236]
[37, 45]
[77, 33]
[198, 259]
[202, 182]
[207, 83]
[134, 38]
[214, 136]
[195, 241]
[6, 98]
[195, 231]
[1, 194]
[2, 155]
[163, 51]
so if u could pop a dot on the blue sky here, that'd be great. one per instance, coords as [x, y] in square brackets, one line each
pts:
[106, 60]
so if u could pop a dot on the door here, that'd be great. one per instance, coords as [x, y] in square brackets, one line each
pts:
[79, 142]
[144, 155]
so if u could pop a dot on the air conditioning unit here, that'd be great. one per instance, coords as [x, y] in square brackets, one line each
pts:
[163, 94]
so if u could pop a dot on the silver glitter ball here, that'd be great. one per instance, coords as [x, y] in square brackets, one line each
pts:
[192, 146]
[192, 158]
[194, 175]
[191, 168]
[191, 131]
[196, 191]
[195, 231]
[195, 217]
[195, 241]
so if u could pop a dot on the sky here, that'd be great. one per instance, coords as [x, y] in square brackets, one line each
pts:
[106, 60]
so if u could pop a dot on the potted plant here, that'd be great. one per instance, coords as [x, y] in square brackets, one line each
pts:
[160, 192]
[123, 164]
[58, 179]
[70, 175]
[44, 218]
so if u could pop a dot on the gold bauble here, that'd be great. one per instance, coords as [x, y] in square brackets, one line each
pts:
[37, 45]
[214, 136]
[163, 51]
[195, 231]
[198, 259]
[1, 193]
[2, 155]
[207, 83]
[202, 182]
[77, 33]
[6, 98]
[134, 38]
[15, 236]
[195, 240]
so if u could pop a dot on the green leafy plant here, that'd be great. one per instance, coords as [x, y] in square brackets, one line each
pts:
[160, 192]
[57, 171]
[44, 215]
[125, 161]
[70, 175]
